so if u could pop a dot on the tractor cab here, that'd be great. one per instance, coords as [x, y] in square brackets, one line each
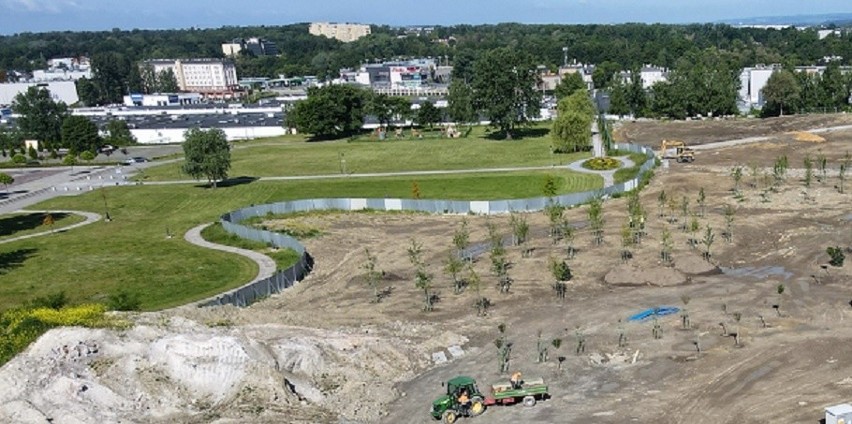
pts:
[447, 407]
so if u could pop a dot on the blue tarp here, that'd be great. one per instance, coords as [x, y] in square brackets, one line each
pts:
[648, 313]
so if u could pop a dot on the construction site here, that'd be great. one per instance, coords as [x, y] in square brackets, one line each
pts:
[733, 247]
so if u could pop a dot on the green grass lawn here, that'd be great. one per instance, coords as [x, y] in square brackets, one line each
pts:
[22, 224]
[627, 174]
[284, 258]
[133, 252]
[368, 155]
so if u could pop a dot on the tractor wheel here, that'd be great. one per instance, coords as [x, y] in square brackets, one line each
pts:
[449, 417]
[477, 406]
[529, 401]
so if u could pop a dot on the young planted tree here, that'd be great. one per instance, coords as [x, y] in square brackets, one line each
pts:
[48, 221]
[672, 210]
[777, 306]
[581, 341]
[481, 303]
[374, 276]
[561, 273]
[702, 202]
[730, 212]
[6, 180]
[661, 203]
[841, 171]
[754, 169]
[667, 245]
[557, 343]
[415, 190]
[541, 348]
[454, 266]
[422, 279]
[520, 231]
[596, 219]
[568, 235]
[461, 240]
[809, 171]
[737, 317]
[709, 237]
[836, 255]
[554, 212]
[627, 240]
[737, 176]
[779, 169]
[684, 211]
[822, 164]
[622, 335]
[684, 313]
[694, 226]
[657, 329]
[504, 348]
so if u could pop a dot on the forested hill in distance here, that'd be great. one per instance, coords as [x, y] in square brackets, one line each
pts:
[838, 19]
[611, 47]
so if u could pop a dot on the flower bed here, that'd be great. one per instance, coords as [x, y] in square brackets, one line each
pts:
[602, 164]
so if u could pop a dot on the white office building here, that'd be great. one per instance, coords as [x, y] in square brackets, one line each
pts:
[343, 32]
[166, 99]
[210, 77]
[752, 81]
[60, 91]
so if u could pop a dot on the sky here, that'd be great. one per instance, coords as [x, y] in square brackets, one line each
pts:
[52, 15]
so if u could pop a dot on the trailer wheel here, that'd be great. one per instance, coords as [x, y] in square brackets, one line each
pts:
[477, 406]
[449, 417]
[529, 401]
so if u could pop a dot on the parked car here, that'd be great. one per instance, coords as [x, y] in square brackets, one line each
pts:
[135, 160]
[106, 149]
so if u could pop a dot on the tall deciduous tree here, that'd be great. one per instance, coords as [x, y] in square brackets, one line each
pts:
[118, 134]
[428, 115]
[460, 102]
[88, 92]
[110, 71]
[570, 83]
[206, 154]
[780, 92]
[329, 111]
[79, 134]
[380, 106]
[6, 179]
[167, 82]
[41, 117]
[572, 127]
[504, 88]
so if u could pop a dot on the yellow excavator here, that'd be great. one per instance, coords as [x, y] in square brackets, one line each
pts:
[676, 149]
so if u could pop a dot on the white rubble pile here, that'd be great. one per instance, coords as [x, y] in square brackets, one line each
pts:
[178, 370]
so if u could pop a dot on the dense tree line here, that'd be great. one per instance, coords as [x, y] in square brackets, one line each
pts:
[789, 91]
[612, 47]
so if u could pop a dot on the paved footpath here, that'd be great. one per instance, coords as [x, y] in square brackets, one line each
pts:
[608, 176]
[266, 266]
[90, 218]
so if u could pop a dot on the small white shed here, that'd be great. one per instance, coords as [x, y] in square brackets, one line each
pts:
[839, 414]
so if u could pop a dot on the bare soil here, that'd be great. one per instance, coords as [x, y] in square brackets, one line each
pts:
[712, 130]
[324, 351]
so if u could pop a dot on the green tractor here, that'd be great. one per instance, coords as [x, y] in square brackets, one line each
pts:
[447, 408]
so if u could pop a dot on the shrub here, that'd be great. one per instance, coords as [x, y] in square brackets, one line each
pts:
[837, 256]
[22, 326]
[602, 164]
[124, 301]
[52, 301]
[19, 158]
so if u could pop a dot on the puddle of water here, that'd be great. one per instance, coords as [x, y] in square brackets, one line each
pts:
[759, 272]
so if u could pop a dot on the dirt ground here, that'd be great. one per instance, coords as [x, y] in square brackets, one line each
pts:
[345, 359]
[701, 132]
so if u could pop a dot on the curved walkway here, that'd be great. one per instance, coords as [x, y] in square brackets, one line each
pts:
[266, 267]
[608, 176]
[91, 217]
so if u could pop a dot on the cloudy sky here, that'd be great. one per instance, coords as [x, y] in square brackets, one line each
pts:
[47, 15]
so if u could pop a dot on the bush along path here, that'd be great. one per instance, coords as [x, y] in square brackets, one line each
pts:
[90, 218]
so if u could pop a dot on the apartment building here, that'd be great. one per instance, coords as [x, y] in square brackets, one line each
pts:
[210, 77]
[343, 32]
[255, 46]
